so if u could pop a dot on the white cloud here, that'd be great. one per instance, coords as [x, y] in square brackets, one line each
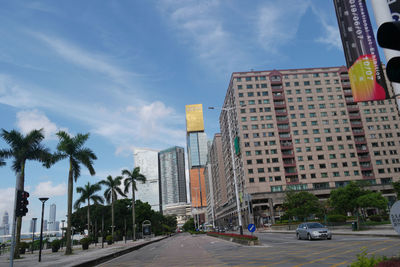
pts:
[28, 120]
[49, 190]
[13, 95]
[278, 22]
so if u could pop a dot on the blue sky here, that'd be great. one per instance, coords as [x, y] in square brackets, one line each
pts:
[124, 71]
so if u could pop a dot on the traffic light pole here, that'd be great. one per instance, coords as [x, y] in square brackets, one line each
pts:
[382, 14]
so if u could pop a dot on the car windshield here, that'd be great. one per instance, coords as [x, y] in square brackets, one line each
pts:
[315, 225]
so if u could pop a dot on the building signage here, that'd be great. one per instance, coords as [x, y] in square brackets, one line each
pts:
[395, 216]
[194, 118]
[365, 70]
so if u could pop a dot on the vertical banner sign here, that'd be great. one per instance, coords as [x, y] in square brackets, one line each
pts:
[365, 71]
[394, 6]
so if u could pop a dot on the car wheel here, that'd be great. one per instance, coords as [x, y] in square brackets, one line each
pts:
[297, 236]
[309, 237]
[329, 238]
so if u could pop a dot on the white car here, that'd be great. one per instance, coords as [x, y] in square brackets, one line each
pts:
[313, 230]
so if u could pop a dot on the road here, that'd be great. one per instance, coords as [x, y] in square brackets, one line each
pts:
[276, 250]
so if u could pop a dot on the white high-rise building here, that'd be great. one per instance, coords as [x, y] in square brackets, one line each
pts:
[52, 218]
[5, 224]
[147, 160]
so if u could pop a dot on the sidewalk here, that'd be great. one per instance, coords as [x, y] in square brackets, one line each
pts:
[79, 257]
[378, 231]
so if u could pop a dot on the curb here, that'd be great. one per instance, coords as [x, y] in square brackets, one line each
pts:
[341, 233]
[108, 257]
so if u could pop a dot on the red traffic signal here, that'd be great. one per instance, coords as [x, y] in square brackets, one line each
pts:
[22, 203]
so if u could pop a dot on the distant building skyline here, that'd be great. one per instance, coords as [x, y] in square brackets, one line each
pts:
[172, 176]
[147, 160]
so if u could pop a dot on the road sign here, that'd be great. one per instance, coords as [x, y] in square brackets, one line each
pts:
[251, 227]
[395, 216]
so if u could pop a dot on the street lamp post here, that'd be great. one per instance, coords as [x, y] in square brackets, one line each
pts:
[33, 231]
[228, 110]
[43, 199]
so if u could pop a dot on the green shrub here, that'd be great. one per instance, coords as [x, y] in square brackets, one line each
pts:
[109, 239]
[55, 245]
[375, 218]
[85, 242]
[364, 261]
[336, 218]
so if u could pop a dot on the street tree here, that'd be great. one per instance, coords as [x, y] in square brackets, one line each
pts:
[396, 187]
[131, 178]
[372, 200]
[344, 199]
[72, 148]
[301, 204]
[23, 148]
[88, 193]
[111, 195]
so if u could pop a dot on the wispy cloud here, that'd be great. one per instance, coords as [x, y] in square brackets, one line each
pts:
[331, 36]
[199, 26]
[278, 22]
[83, 58]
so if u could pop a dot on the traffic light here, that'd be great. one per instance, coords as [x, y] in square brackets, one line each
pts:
[22, 203]
[389, 37]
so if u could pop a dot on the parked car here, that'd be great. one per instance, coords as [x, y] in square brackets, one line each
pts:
[313, 230]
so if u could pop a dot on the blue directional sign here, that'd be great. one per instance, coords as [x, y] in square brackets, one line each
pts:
[251, 227]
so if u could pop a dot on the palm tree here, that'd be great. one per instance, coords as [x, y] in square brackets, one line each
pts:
[23, 148]
[130, 181]
[111, 194]
[88, 193]
[72, 148]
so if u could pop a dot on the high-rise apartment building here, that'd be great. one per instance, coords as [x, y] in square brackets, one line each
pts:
[172, 177]
[301, 130]
[197, 158]
[52, 218]
[147, 160]
[215, 175]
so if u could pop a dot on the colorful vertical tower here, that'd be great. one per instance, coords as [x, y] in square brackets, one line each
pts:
[197, 158]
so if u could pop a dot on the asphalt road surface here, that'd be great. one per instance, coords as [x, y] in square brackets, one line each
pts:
[276, 250]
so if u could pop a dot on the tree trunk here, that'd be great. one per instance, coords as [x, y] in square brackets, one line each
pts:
[88, 217]
[133, 212]
[20, 186]
[112, 215]
[68, 250]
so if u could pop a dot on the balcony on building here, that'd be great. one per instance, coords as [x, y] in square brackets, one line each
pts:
[289, 162]
[367, 174]
[282, 119]
[277, 87]
[357, 131]
[347, 92]
[292, 179]
[360, 140]
[278, 96]
[287, 154]
[279, 104]
[352, 107]
[281, 111]
[361, 148]
[275, 79]
[346, 83]
[355, 122]
[364, 157]
[349, 99]
[355, 115]
[285, 136]
[286, 145]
